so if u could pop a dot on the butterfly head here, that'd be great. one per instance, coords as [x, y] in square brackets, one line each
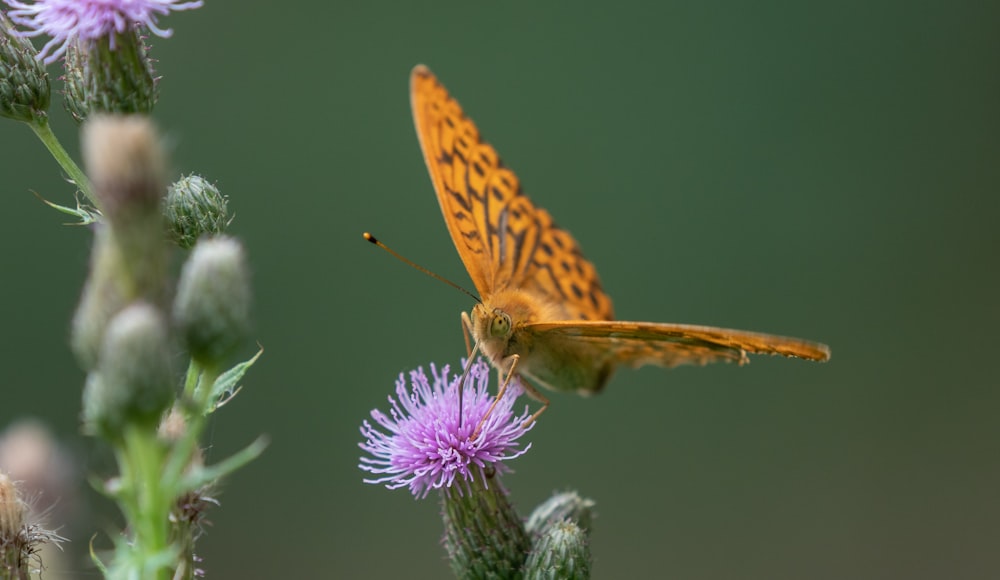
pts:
[499, 323]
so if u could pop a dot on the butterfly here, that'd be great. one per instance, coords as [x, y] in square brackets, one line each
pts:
[543, 314]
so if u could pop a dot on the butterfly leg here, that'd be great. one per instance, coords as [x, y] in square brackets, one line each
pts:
[466, 331]
[528, 387]
[536, 395]
[500, 394]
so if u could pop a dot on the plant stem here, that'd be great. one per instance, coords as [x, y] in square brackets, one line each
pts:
[44, 132]
[198, 395]
[151, 500]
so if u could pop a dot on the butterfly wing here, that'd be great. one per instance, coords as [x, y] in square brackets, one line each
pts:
[504, 240]
[669, 345]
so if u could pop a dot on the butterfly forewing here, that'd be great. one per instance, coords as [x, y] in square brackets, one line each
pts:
[445, 137]
[504, 240]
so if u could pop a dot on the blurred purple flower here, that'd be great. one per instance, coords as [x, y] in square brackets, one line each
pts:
[422, 445]
[87, 20]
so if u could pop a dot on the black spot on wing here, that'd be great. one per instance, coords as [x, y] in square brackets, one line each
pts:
[462, 201]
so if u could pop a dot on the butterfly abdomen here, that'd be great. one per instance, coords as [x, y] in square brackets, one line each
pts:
[569, 366]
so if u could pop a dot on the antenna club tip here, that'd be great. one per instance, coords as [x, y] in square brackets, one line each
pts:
[370, 238]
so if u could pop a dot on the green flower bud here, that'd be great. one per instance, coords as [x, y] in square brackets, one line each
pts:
[125, 163]
[100, 79]
[194, 208]
[129, 260]
[24, 84]
[133, 383]
[558, 508]
[560, 553]
[483, 534]
[105, 293]
[212, 306]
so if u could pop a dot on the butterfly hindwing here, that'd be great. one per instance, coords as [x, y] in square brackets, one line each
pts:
[663, 344]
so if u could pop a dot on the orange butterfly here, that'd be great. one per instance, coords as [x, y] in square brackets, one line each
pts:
[543, 313]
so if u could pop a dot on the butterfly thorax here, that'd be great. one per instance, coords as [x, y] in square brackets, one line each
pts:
[502, 326]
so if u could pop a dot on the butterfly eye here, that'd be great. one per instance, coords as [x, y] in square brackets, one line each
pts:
[500, 325]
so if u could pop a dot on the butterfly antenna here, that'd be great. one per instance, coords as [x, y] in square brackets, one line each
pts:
[438, 277]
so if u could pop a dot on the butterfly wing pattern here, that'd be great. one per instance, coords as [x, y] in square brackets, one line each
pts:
[669, 345]
[561, 323]
[504, 240]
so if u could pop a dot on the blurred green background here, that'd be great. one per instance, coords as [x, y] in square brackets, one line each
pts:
[823, 170]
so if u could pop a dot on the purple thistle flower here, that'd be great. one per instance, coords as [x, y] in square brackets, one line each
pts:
[423, 446]
[87, 20]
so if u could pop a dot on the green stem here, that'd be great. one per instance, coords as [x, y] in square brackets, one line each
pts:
[44, 132]
[198, 397]
[151, 502]
[198, 391]
[12, 565]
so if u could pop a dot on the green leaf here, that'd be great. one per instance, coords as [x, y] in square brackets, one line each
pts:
[96, 559]
[226, 385]
[196, 478]
[86, 214]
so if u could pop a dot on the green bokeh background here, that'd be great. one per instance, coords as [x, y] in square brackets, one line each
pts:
[824, 170]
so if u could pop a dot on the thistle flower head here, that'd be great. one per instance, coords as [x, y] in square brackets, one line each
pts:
[68, 21]
[425, 445]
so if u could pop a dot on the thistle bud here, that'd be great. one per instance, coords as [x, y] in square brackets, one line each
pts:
[483, 534]
[194, 208]
[560, 553]
[12, 510]
[31, 455]
[24, 84]
[20, 539]
[126, 165]
[112, 74]
[104, 294]
[129, 259]
[133, 383]
[558, 508]
[212, 307]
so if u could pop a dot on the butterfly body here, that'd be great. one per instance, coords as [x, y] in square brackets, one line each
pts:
[544, 313]
[503, 329]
